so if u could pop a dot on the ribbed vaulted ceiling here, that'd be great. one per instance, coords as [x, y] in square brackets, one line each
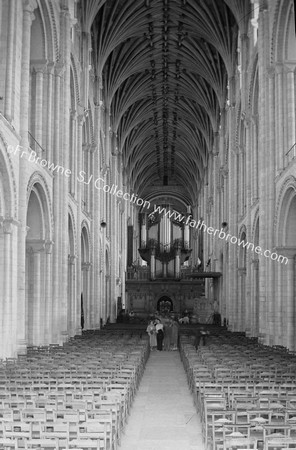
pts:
[164, 66]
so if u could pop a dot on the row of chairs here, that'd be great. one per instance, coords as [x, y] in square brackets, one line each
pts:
[73, 396]
[241, 393]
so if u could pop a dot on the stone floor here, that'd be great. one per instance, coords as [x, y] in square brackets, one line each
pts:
[163, 416]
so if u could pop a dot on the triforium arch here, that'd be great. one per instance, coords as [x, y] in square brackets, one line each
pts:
[38, 265]
[286, 285]
[283, 33]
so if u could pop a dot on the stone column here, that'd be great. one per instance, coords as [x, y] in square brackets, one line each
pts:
[289, 307]
[143, 230]
[264, 156]
[231, 278]
[186, 236]
[280, 119]
[177, 264]
[36, 310]
[255, 297]
[270, 201]
[48, 293]
[86, 300]
[107, 297]
[242, 299]
[49, 125]
[290, 120]
[10, 54]
[279, 320]
[39, 69]
[2, 302]
[73, 153]
[96, 256]
[254, 166]
[28, 16]
[7, 299]
[287, 290]
[81, 119]
[72, 294]
[57, 256]
[65, 46]
[152, 264]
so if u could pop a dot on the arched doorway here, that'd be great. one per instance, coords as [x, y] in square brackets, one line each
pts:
[165, 305]
[38, 269]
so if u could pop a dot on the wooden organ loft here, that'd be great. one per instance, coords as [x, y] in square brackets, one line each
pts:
[168, 274]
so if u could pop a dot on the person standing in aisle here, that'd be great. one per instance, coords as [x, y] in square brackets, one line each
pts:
[159, 334]
[152, 334]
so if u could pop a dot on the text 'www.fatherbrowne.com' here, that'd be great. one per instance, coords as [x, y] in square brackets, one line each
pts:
[200, 225]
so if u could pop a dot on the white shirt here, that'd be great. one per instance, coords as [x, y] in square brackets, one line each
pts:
[158, 326]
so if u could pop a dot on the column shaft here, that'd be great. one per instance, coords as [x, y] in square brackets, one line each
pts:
[9, 62]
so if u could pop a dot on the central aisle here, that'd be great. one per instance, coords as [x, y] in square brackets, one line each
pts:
[163, 416]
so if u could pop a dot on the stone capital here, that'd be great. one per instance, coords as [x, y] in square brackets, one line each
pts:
[73, 114]
[244, 37]
[64, 11]
[224, 172]
[7, 224]
[105, 170]
[241, 149]
[80, 119]
[59, 69]
[85, 266]
[101, 105]
[72, 259]
[270, 72]
[48, 246]
[279, 68]
[255, 263]
[86, 147]
[93, 147]
[29, 5]
[289, 66]
[35, 246]
[247, 120]
[39, 66]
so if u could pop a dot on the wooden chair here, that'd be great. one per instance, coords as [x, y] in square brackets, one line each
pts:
[239, 443]
[42, 444]
[86, 444]
[17, 430]
[273, 442]
[8, 444]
